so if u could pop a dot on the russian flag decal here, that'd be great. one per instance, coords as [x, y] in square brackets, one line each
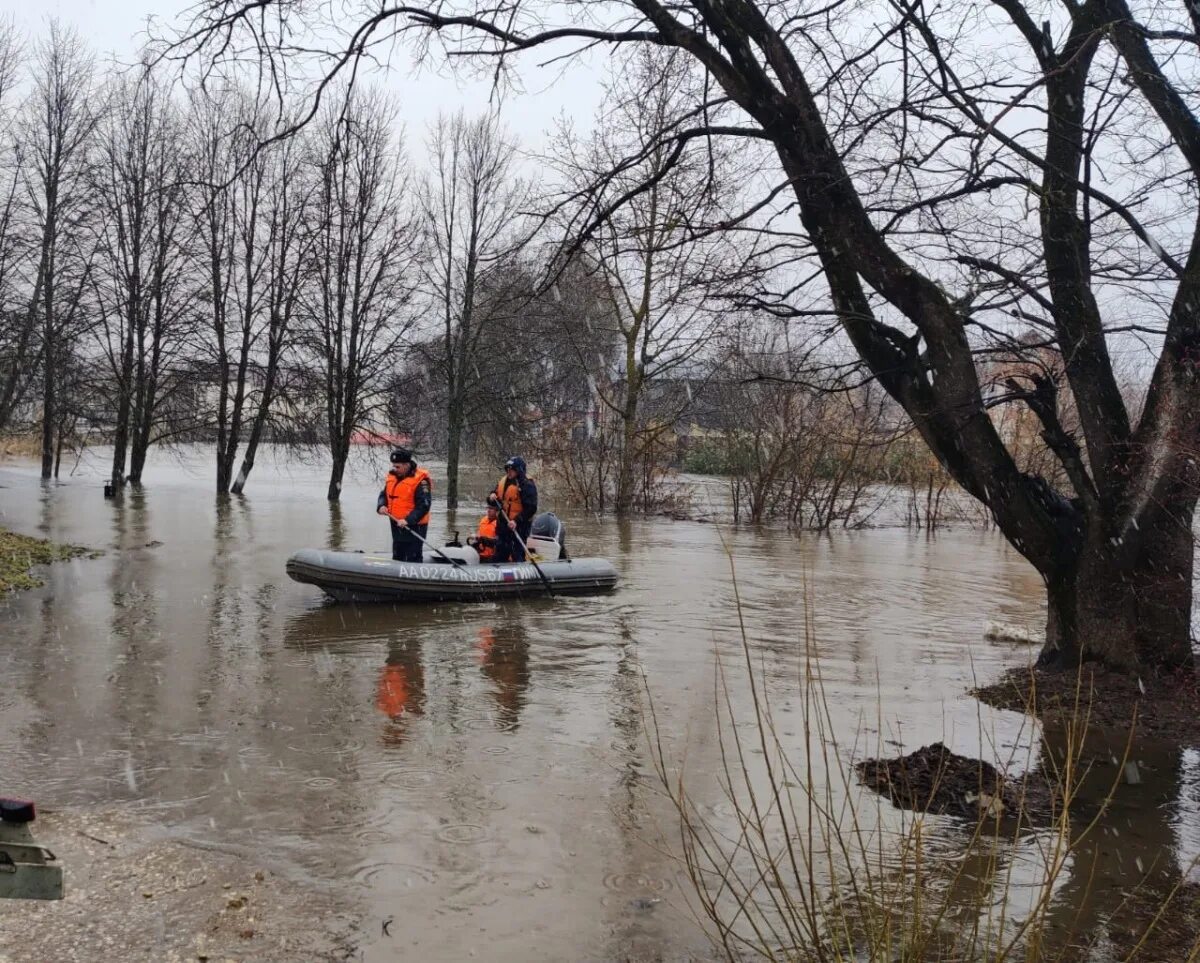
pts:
[508, 574]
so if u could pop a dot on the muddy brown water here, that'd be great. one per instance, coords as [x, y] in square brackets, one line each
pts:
[480, 774]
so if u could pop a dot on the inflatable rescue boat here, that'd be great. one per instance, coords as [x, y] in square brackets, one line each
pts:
[454, 573]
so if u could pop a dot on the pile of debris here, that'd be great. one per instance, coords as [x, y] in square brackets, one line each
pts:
[935, 780]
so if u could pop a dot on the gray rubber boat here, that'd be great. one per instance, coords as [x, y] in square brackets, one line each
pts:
[358, 577]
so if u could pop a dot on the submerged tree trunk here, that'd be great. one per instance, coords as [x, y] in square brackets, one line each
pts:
[261, 416]
[143, 418]
[243, 475]
[341, 454]
[124, 409]
[623, 500]
[1128, 606]
[49, 360]
[454, 436]
[49, 407]
[137, 455]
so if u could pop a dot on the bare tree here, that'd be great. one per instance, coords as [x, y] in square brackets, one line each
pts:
[18, 330]
[138, 184]
[942, 185]
[540, 388]
[288, 245]
[470, 210]
[362, 266]
[795, 444]
[58, 130]
[662, 276]
[228, 211]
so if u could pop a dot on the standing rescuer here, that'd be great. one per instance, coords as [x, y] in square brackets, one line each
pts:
[517, 497]
[406, 499]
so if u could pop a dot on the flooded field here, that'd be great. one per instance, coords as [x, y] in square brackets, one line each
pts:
[480, 775]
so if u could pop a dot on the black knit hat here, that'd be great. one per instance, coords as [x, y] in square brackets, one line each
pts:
[401, 454]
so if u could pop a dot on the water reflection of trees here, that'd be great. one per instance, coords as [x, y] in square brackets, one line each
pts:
[134, 581]
[1125, 851]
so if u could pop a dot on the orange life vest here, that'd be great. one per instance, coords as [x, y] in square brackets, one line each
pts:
[487, 529]
[509, 493]
[401, 494]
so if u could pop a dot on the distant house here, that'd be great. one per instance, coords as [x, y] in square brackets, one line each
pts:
[367, 436]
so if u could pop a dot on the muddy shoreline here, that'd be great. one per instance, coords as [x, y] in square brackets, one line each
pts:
[134, 894]
[1160, 708]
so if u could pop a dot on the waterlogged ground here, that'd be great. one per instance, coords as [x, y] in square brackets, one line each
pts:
[480, 775]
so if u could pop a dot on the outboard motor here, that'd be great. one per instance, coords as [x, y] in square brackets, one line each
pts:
[548, 537]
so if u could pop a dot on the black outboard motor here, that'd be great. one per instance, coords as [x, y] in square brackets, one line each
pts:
[548, 536]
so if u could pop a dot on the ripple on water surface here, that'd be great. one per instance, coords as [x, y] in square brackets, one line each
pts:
[409, 777]
[636, 883]
[349, 747]
[389, 874]
[464, 834]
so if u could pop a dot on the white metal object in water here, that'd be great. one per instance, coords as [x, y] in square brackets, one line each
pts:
[27, 870]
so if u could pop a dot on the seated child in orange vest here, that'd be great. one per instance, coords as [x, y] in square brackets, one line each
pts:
[485, 540]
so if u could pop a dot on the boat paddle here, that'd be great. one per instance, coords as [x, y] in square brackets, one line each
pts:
[528, 554]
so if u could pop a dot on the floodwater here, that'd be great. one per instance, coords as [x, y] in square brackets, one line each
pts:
[480, 775]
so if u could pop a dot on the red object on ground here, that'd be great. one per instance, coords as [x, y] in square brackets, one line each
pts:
[17, 810]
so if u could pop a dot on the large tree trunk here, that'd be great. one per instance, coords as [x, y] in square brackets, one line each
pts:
[226, 452]
[120, 443]
[239, 483]
[227, 446]
[143, 420]
[1127, 606]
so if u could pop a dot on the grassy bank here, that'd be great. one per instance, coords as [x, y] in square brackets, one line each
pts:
[20, 553]
[20, 446]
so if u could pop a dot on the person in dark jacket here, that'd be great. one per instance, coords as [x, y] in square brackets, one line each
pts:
[517, 498]
[406, 499]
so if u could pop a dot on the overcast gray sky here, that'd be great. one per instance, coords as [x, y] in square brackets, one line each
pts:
[117, 27]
